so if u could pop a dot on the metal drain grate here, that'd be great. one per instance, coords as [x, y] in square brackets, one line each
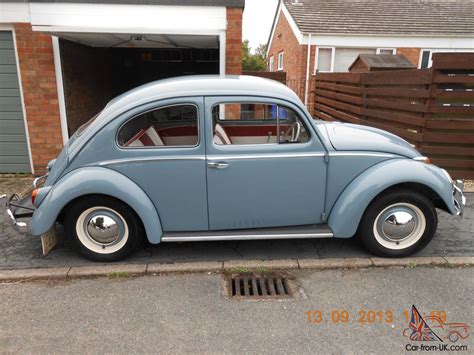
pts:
[264, 286]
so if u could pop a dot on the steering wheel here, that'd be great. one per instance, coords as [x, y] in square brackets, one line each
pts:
[295, 130]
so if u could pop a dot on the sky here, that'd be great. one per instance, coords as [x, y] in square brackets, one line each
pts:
[257, 21]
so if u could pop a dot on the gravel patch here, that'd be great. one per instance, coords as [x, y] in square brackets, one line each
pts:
[15, 183]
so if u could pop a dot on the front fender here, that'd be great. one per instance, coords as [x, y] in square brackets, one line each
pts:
[350, 206]
[96, 180]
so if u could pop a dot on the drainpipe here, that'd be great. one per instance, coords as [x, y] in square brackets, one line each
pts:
[308, 59]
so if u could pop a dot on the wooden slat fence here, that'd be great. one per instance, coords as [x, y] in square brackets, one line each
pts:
[432, 108]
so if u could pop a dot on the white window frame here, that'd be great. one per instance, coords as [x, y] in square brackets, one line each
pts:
[333, 58]
[280, 60]
[271, 62]
[439, 50]
[430, 63]
[394, 50]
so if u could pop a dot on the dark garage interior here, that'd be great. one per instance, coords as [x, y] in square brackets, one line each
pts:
[94, 75]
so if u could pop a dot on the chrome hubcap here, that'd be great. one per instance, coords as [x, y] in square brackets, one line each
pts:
[103, 229]
[398, 225]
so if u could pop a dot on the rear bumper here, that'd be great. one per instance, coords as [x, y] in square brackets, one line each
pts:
[458, 197]
[13, 208]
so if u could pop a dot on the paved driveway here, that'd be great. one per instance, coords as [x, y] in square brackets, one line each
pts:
[454, 238]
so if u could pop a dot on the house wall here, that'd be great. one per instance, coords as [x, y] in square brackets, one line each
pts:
[412, 54]
[38, 79]
[294, 57]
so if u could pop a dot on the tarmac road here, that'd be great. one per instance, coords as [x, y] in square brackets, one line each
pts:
[189, 314]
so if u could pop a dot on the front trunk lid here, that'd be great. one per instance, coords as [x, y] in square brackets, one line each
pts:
[351, 137]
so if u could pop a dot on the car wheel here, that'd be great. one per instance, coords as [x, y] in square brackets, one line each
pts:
[453, 337]
[398, 223]
[103, 228]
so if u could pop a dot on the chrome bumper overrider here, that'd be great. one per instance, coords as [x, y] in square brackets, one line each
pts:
[458, 196]
[14, 207]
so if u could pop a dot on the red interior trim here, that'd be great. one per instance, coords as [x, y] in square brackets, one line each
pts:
[135, 137]
[178, 131]
[253, 131]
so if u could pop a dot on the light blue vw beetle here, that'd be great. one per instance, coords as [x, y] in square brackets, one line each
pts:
[234, 158]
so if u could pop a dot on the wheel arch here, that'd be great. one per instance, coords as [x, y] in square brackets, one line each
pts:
[392, 174]
[96, 181]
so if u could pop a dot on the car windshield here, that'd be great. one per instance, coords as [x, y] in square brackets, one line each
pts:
[83, 127]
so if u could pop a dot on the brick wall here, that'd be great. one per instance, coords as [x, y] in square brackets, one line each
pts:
[294, 57]
[412, 54]
[285, 41]
[38, 80]
[234, 41]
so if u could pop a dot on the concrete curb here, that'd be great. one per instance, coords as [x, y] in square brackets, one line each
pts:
[126, 270]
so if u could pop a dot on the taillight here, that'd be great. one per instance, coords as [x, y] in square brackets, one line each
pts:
[33, 196]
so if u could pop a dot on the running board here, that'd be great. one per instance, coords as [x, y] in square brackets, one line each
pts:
[297, 232]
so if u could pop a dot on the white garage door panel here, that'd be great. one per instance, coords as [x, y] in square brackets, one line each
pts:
[14, 157]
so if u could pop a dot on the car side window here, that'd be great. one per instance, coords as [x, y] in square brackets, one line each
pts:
[257, 123]
[170, 126]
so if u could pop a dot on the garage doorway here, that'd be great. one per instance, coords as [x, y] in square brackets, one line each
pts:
[94, 74]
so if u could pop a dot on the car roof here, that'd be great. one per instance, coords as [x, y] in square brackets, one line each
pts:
[199, 85]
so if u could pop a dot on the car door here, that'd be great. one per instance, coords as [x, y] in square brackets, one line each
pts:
[257, 176]
[161, 148]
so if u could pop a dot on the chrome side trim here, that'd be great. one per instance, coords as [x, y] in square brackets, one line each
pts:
[203, 238]
[264, 156]
[351, 154]
[150, 159]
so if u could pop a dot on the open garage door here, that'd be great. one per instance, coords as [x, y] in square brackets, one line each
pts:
[98, 67]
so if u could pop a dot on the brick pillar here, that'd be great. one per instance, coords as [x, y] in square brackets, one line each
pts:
[233, 49]
[38, 79]
[412, 54]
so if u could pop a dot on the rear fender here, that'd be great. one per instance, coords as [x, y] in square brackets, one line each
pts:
[96, 180]
[349, 208]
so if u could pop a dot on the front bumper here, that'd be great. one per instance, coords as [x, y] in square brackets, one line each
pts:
[458, 197]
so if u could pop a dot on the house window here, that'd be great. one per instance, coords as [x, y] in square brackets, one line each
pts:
[425, 59]
[387, 51]
[270, 64]
[280, 61]
[346, 56]
[332, 59]
[324, 59]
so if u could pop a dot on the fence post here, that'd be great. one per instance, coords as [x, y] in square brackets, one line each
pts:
[432, 87]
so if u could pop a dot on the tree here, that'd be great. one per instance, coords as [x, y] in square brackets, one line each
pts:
[253, 61]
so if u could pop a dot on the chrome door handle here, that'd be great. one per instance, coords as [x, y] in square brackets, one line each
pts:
[217, 165]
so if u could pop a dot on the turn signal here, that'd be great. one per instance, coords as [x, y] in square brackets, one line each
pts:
[33, 196]
[425, 160]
